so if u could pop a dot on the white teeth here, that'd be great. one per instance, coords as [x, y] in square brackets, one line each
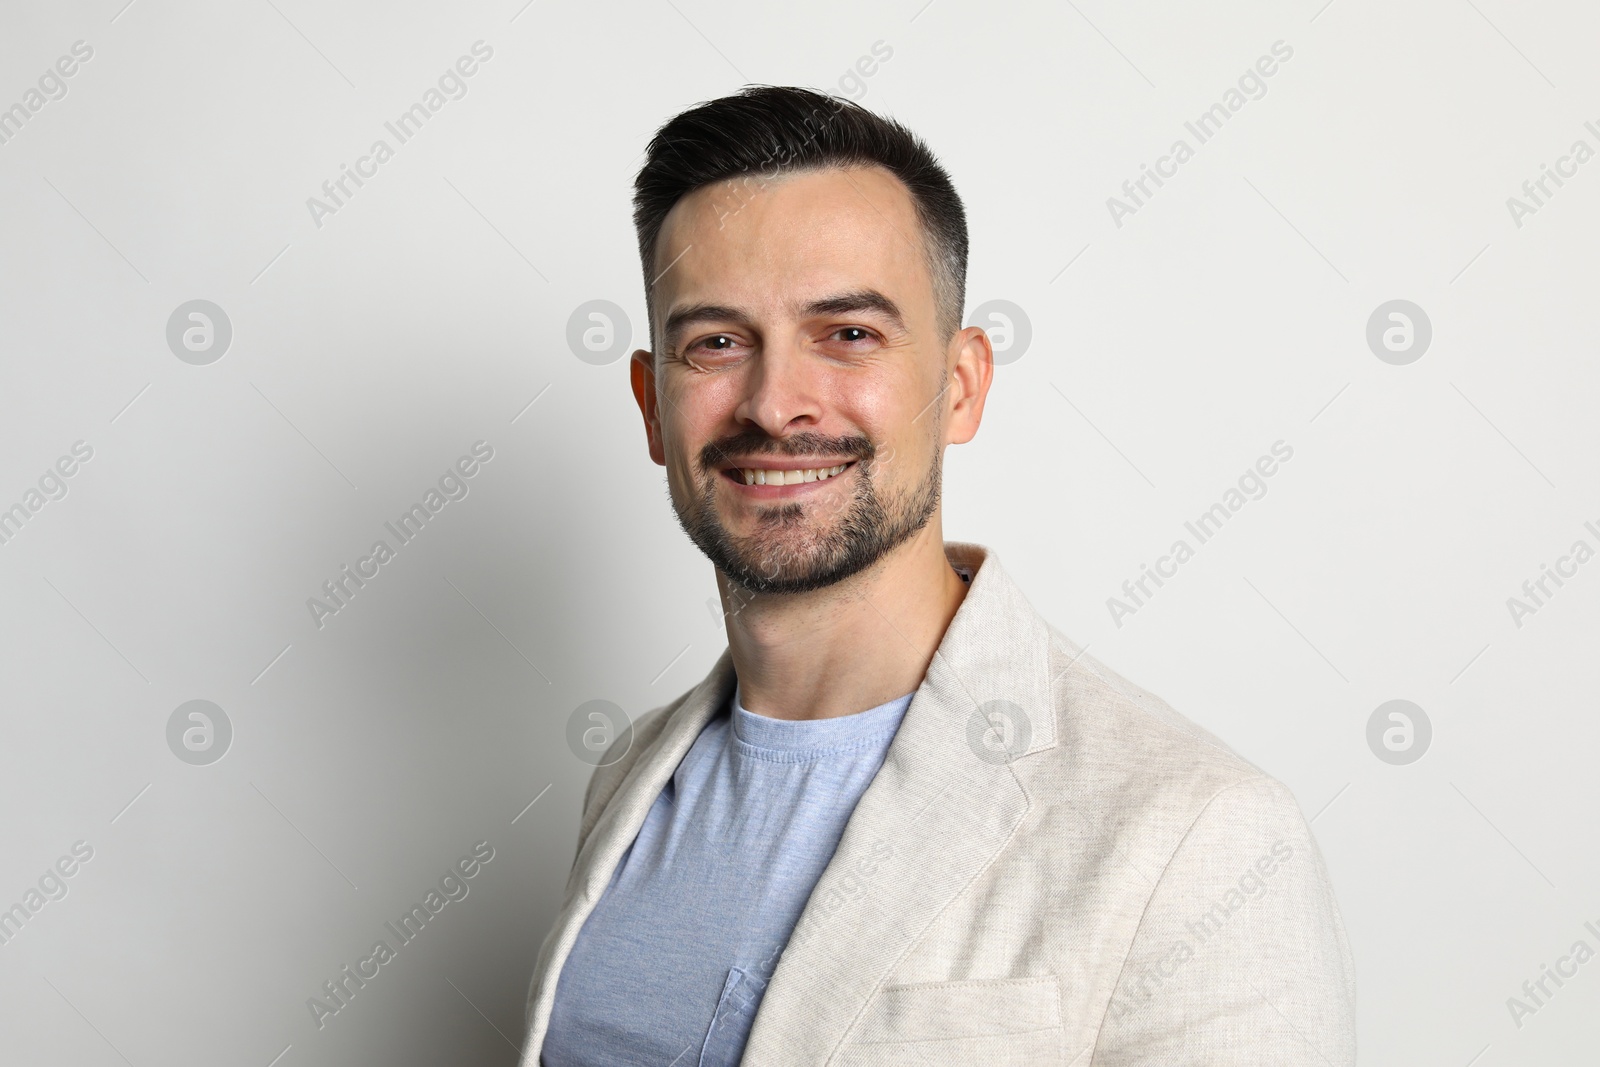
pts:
[759, 476]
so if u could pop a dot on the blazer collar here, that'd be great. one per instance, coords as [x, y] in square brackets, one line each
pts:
[614, 833]
[944, 803]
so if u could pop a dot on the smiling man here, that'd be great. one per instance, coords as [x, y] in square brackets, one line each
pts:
[902, 821]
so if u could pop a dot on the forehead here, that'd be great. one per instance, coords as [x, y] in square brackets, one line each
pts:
[770, 244]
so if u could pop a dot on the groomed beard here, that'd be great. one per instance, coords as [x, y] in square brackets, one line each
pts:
[787, 553]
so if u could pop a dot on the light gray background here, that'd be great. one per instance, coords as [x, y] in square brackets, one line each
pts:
[368, 354]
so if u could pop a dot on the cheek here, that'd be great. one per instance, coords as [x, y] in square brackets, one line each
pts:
[697, 413]
[682, 472]
[881, 399]
[897, 410]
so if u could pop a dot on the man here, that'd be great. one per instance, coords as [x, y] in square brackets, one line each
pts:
[902, 821]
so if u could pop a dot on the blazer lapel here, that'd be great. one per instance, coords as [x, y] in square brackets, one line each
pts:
[938, 811]
[613, 834]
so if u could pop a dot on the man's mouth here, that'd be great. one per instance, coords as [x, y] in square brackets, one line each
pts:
[785, 476]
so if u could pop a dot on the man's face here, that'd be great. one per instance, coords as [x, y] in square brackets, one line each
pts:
[797, 397]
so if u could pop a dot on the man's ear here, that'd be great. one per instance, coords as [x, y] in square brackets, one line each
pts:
[642, 372]
[970, 377]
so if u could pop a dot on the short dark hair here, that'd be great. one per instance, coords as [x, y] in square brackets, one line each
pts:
[772, 130]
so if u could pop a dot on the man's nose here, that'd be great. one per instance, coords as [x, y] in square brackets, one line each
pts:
[780, 392]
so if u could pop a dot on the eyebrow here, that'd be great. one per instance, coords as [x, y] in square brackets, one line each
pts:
[693, 314]
[839, 304]
[859, 300]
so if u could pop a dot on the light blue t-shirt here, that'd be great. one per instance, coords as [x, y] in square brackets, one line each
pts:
[669, 968]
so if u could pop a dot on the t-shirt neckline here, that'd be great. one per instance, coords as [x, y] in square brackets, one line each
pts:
[816, 736]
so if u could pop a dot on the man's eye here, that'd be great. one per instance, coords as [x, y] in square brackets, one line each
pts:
[720, 343]
[853, 333]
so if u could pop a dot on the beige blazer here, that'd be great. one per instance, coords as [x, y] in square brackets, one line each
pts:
[1051, 867]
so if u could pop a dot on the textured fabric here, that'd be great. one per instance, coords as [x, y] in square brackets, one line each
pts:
[1051, 867]
[670, 966]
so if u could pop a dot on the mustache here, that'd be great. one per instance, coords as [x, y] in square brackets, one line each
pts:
[757, 442]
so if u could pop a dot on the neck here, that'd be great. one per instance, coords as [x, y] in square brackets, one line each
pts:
[852, 646]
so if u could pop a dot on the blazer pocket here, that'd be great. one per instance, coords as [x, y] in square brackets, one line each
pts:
[1004, 1022]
